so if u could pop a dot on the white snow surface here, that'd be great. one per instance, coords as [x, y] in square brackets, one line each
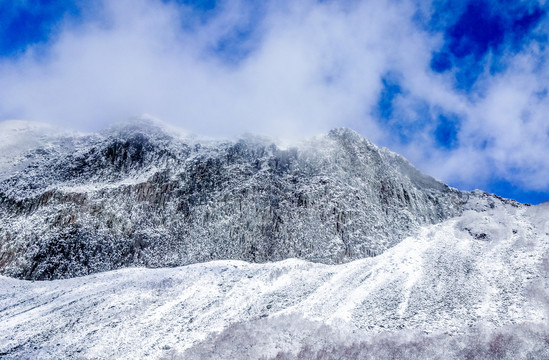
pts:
[489, 268]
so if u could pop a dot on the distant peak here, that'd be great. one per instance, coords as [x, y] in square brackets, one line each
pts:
[144, 125]
[347, 135]
[345, 132]
[134, 124]
[22, 134]
[23, 126]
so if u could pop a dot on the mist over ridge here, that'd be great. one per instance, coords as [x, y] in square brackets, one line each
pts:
[139, 193]
[313, 179]
[426, 80]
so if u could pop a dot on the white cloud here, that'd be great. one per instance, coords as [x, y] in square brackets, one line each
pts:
[314, 66]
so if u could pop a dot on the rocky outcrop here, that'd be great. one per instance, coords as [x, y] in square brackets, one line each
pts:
[136, 196]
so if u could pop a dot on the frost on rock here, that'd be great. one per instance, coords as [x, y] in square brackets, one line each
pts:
[137, 195]
[440, 294]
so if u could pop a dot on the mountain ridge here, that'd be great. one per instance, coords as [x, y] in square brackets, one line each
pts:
[135, 194]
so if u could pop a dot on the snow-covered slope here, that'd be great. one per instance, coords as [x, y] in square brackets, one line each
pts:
[138, 194]
[474, 286]
[18, 137]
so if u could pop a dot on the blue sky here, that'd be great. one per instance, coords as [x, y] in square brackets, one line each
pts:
[460, 88]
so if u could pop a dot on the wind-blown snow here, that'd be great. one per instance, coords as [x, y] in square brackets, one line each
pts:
[487, 269]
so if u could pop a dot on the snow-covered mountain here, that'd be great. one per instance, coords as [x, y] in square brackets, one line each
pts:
[331, 248]
[141, 194]
[471, 287]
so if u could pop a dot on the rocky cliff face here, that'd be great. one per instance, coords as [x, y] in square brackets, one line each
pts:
[136, 195]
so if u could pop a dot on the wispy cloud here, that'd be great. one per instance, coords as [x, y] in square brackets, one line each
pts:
[461, 90]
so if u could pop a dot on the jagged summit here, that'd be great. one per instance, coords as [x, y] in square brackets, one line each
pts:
[346, 133]
[144, 125]
[141, 126]
[141, 194]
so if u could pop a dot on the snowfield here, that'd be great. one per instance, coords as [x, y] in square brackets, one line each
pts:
[474, 286]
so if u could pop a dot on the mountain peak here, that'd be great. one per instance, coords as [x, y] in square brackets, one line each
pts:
[145, 125]
[346, 134]
[141, 125]
[138, 195]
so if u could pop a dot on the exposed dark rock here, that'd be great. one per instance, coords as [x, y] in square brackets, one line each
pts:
[134, 195]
